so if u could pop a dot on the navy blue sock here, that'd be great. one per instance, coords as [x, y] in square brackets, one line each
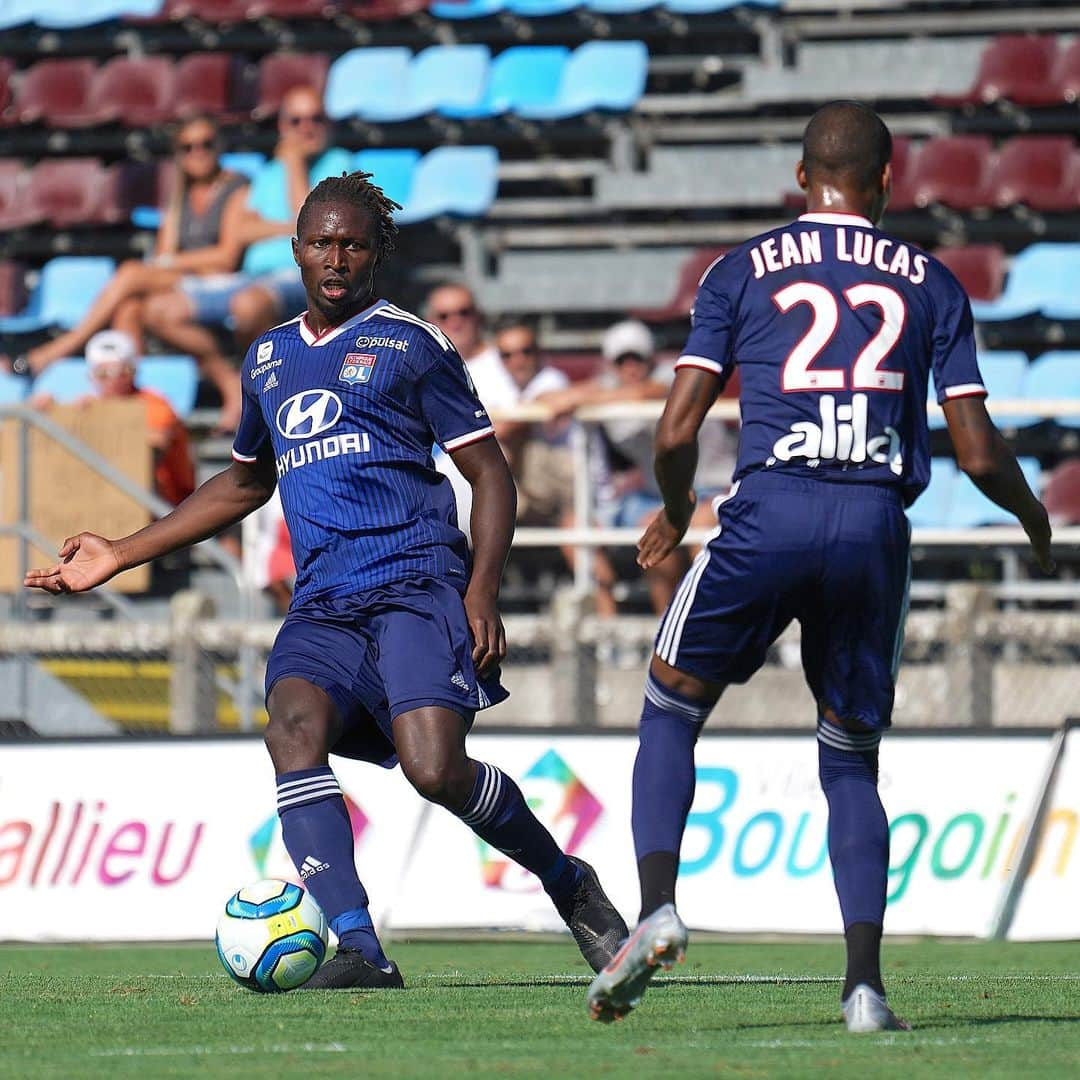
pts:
[664, 781]
[858, 844]
[498, 814]
[318, 836]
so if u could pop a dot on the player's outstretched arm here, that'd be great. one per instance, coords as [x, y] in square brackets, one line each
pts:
[676, 448]
[494, 507]
[992, 467]
[89, 560]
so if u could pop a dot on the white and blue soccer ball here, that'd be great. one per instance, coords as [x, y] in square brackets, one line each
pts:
[271, 937]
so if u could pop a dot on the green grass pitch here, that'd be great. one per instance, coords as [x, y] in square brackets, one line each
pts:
[513, 1008]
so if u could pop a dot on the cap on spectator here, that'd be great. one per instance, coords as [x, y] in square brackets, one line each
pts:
[628, 337]
[111, 347]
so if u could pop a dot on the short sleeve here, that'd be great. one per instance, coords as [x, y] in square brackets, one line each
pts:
[956, 368]
[252, 434]
[711, 327]
[449, 403]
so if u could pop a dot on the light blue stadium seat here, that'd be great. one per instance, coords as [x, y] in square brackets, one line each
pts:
[458, 180]
[17, 12]
[537, 9]
[67, 286]
[392, 170]
[1043, 277]
[245, 162]
[1055, 375]
[64, 381]
[366, 78]
[520, 76]
[598, 75]
[67, 14]
[175, 378]
[620, 7]
[466, 9]
[931, 508]
[1003, 376]
[13, 388]
[970, 508]
[706, 7]
[440, 77]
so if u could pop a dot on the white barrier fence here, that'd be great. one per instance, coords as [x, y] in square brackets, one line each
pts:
[144, 841]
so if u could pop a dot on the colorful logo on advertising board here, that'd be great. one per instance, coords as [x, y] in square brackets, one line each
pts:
[264, 840]
[562, 802]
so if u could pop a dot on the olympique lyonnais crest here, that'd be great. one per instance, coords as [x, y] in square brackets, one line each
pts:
[357, 368]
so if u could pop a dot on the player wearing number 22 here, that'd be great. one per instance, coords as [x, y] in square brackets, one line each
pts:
[835, 328]
[393, 640]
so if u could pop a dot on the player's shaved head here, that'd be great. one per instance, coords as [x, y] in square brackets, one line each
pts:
[846, 143]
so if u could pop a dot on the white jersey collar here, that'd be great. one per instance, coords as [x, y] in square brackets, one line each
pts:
[837, 218]
[311, 338]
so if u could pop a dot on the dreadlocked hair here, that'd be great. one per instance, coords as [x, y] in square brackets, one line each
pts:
[357, 189]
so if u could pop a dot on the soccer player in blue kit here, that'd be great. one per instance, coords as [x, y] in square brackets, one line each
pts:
[835, 328]
[393, 639]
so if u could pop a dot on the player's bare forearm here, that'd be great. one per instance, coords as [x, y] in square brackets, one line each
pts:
[989, 462]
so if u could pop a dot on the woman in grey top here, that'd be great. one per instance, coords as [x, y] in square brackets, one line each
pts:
[198, 236]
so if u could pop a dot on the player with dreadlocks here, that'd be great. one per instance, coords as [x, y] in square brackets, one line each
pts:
[341, 408]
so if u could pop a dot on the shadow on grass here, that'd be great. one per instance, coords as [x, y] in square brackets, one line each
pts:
[464, 983]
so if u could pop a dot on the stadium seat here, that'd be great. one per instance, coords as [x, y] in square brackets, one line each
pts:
[440, 78]
[210, 11]
[12, 290]
[1040, 171]
[620, 7]
[980, 268]
[1061, 495]
[969, 507]
[598, 75]
[903, 159]
[521, 76]
[280, 72]
[16, 209]
[1041, 275]
[65, 290]
[245, 162]
[1066, 73]
[64, 381]
[466, 9]
[537, 9]
[203, 85]
[66, 14]
[291, 9]
[577, 366]
[385, 10]
[366, 78]
[678, 307]
[175, 378]
[458, 180]
[393, 170]
[706, 7]
[1014, 67]
[73, 191]
[7, 70]
[952, 171]
[55, 92]
[13, 388]
[1055, 375]
[17, 13]
[137, 92]
[931, 509]
[1003, 375]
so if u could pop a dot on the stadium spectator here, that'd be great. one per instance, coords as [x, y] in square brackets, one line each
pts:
[112, 358]
[267, 289]
[199, 239]
[629, 493]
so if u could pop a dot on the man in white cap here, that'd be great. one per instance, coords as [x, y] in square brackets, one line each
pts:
[111, 361]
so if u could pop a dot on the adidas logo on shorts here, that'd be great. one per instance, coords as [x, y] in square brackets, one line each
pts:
[312, 866]
[459, 681]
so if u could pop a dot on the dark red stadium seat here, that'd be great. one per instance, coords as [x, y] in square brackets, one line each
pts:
[678, 307]
[12, 288]
[980, 268]
[211, 11]
[903, 160]
[1014, 67]
[1040, 171]
[1061, 494]
[280, 72]
[15, 208]
[137, 92]
[73, 191]
[292, 9]
[138, 183]
[203, 85]
[1066, 74]
[55, 92]
[7, 69]
[576, 366]
[384, 10]
[951, 171]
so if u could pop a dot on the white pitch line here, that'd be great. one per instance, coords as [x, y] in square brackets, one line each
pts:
[187, 1051]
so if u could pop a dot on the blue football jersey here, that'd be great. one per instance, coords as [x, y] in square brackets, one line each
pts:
[835, 327]
[350, 418]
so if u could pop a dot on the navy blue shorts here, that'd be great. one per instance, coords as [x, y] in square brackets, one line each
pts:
[834, 556]
[381, 653]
